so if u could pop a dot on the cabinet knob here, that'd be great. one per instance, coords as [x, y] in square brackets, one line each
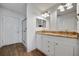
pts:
[48, 41]
[56, 43]
[48, 46]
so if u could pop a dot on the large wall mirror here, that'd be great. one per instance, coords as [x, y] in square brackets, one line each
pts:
[66, 17]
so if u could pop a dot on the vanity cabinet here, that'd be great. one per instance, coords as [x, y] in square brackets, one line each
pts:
[39, 42]
[57, 46]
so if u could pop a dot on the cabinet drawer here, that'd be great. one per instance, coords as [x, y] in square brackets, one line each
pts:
[62, 49]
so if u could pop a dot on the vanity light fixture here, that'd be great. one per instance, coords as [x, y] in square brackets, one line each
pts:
[46, 14]
[69, 5]
[61, 8]
[39, 17]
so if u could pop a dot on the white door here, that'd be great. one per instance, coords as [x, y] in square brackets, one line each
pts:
[10, 30]
[62, 49]
[0, 31]
[24, 31]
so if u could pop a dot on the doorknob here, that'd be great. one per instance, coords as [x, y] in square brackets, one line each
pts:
[24, 31]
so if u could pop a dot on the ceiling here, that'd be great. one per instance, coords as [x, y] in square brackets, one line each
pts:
[44, 6]
[19, 8]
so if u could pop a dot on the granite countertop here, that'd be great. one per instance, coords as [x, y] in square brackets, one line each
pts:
[59, 34]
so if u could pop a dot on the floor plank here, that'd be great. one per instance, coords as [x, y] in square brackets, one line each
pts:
[18, 49]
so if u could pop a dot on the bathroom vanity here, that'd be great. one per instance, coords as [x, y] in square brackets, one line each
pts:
[57, 43]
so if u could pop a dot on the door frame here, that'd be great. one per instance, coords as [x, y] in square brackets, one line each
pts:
[22, 30]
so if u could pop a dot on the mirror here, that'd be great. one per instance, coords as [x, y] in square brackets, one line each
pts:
[40, 23]
[66, 18]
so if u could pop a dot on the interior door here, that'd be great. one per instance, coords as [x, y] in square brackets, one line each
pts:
[11, 30]
[24, 31]
[0, 30]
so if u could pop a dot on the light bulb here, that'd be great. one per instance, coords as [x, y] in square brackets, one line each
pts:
[61, 8]
[70, 7]
[45, 15]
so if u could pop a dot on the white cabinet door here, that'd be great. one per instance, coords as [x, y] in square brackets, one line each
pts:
[62, 49]
[39, 42]
[52, 45]
[48, 45]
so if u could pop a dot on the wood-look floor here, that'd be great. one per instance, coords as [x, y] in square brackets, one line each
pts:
[18, 49]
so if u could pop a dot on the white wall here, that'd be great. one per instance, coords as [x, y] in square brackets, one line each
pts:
[32, 12]
[52, 21]
[19, 8]
[6, 12]
[67, 22]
